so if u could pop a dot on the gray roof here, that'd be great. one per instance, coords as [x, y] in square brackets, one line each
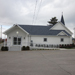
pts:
[41, 30]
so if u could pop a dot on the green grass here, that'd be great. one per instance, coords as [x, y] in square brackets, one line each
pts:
[70, 48]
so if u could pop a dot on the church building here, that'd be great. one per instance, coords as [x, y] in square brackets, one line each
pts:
[38, 36]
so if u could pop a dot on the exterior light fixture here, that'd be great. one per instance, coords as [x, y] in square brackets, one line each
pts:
[17, 32]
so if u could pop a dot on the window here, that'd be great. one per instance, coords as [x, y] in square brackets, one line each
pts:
[31, 44]
[62, 39]
[45, 39]
[17, 41]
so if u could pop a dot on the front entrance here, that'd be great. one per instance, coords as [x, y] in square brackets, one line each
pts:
[16, 40]
[16, 44]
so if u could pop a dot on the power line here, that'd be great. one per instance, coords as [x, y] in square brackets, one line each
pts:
[38, 10]
[34, 12]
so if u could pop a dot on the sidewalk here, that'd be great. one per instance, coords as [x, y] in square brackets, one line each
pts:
[65, 49]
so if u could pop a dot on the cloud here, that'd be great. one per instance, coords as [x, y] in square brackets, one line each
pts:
[21, 11]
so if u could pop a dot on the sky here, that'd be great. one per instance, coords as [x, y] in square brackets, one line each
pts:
[22, 12]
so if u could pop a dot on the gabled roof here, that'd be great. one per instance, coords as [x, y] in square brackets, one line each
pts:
[41, 30]
[62, 25]
[12, 28]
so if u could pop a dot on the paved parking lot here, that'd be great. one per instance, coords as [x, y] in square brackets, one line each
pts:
[43, 62]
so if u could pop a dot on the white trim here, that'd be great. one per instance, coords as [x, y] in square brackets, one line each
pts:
[62, 38]
[46, 35]
[23, 29]
[62, 25]
[62, 32]
[17, 37]
[13, 27]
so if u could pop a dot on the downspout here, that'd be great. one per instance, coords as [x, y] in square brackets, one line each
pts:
[29, 39]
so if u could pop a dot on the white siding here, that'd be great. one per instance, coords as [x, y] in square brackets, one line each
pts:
[59, 26]
[21, 34]
[51, 40]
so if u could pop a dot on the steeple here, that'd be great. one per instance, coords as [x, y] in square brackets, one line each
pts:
[62, 19]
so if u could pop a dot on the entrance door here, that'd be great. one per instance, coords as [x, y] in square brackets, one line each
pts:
[17, 41]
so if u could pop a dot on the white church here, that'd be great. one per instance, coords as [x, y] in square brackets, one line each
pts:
[36, 36]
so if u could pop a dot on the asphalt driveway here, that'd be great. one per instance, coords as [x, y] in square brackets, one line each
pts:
[44, 62]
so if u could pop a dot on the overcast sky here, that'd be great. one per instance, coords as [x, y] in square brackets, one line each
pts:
[22, 11]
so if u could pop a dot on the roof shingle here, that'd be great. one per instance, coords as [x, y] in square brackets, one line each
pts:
[41, 30]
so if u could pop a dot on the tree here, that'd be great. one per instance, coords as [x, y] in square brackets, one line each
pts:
[53, 21]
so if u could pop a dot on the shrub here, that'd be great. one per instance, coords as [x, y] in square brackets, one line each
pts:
[60, 46]
[36, 45]
[73, 45]
[44, 45]
[47, 46]
[23, 48]
[4, 48]
[41, 45]
[27, 48]
[66, 46]
[57, 46]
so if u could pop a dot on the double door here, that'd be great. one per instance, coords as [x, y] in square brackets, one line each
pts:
[16, 40]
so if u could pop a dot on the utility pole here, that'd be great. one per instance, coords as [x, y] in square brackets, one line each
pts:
[1, 31]
[74, 32]
[1, 34]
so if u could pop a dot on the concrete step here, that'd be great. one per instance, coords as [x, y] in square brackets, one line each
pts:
[15, 48]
